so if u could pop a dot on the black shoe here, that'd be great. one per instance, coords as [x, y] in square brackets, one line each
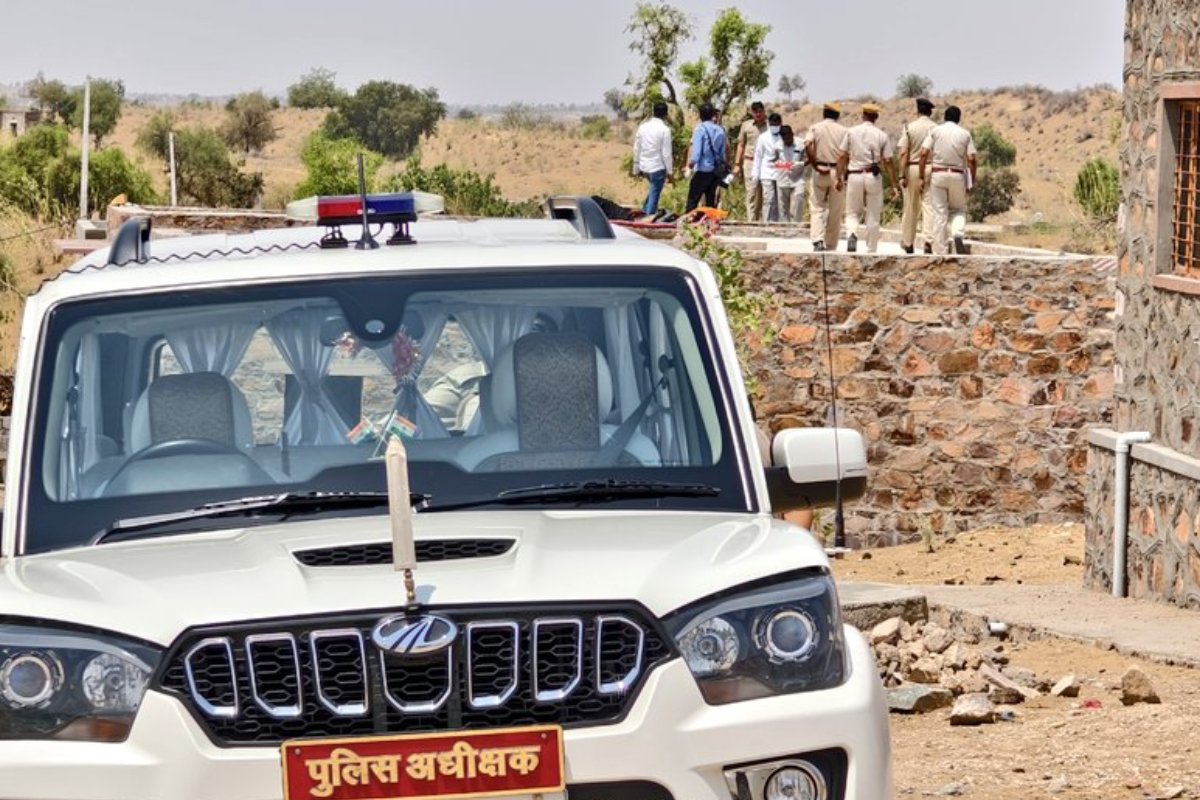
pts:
[960, 247]
[818, 247]
[928, 248]
[908, 248]
[852, 244]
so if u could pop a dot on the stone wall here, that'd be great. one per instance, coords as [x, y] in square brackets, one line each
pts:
[1157, 370]
[1163, 546]
[974, 380]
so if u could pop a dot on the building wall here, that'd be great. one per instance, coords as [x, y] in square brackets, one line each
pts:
[1157, 375]
[8, 119]
[974, 380]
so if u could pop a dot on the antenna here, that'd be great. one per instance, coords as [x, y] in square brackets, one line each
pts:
[839, 519]
[366, 241]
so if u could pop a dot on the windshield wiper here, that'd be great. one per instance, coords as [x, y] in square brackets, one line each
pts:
[584, 491]
[285, 505]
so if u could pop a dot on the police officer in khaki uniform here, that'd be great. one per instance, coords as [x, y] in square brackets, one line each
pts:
[826, 198]
[917, 211]
[743, 164]
[948, 164]
[866, 158]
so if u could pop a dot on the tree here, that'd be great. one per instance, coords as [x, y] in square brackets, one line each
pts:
[658, 32]
[248, 126]
[1098, 190]
[790, 84]
[332, 166]
[106, 99]
[316, 89]
[24, 167]
[618, 101]
[389, 118]
[994, 150]
[994, 193]
[913, 85]
[52, 98]
[110, 173]
[155, 136]
[737, 64]
[207, 174]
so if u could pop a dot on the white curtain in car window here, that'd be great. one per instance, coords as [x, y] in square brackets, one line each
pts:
[297, 336]
[217, 348]
[673, 447]
[491, 329]
[409, 401]
[625, 359]
[88, 398]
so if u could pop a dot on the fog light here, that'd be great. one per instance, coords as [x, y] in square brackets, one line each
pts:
[30, 680]
[792, 783]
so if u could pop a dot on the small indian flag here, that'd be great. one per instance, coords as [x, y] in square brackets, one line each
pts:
[398, 425]
[364, 431]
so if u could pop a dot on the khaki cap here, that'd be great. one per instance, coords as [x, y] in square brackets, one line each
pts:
[834, 107]
[871, 108]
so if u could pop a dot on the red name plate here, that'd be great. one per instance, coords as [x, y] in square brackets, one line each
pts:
[434, 765]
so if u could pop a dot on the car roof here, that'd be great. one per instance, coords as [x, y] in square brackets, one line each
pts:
[294, 253]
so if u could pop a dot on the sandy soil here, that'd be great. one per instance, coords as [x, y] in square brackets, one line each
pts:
[1054, 747]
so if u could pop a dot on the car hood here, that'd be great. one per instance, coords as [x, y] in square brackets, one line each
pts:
[154, 589]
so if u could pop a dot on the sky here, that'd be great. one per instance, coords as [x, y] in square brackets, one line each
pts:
[478, 52]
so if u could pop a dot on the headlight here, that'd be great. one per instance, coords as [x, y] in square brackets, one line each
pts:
[58, 684]
[764, 640]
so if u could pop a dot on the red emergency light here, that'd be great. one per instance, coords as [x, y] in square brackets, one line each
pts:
[332, 212]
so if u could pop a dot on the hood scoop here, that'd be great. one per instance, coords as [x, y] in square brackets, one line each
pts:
[428, 550]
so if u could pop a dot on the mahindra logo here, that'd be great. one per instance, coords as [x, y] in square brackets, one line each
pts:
[405, 635]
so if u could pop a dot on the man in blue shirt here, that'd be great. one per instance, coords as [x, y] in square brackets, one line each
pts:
[708, 150]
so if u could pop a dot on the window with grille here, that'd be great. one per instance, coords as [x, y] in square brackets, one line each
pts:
[1185, 237]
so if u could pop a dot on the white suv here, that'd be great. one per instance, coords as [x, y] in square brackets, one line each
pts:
[197, 590]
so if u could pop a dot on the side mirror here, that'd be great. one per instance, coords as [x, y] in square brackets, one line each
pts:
[809, 463]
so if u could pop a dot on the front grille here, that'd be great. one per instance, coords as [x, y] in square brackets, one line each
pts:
[263, 683]
[361, 555]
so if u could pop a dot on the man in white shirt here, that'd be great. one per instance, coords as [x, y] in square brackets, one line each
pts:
[948, 165]
[652, 155]
[768, 150]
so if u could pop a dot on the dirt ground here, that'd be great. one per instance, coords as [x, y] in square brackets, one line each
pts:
[1053, 747]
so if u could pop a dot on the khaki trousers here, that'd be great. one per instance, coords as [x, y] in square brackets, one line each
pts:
[948, 196]
[825, 205]
[754, 195]
[864, 198]
[918, 213]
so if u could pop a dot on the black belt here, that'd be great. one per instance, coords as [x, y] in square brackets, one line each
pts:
[948, 169]
[861, 171]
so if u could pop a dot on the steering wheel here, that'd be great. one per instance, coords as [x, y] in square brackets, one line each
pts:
[189, 447]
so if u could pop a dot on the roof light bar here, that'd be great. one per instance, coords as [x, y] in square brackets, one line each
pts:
[332, 212]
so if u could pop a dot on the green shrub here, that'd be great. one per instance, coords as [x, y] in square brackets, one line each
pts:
[995, 192]
[1098, 190]
[110, 173]
[466, 193]
[316, 89]
[332, 166]
[595, 126]
[994, 149]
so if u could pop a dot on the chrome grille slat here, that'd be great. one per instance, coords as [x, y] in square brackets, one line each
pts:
[320, 677]
[279, 711]
[259, 684]
[497, 698]
[222, 711]
[554, 695]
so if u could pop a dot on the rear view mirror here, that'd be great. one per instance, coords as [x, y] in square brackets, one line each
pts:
[808, 463]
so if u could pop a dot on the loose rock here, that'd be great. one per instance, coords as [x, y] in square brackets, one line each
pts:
[887, 631]
[1136, 688]
[937, 639]
[998, 679]
[925, 670]
[1067, 686]
[918, 699]
[972, 709]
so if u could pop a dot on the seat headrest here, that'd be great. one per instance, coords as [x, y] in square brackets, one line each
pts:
[194, 405]
[557, 361]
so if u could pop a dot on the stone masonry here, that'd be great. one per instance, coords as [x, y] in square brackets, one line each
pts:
[1157, 361]
[974, 380]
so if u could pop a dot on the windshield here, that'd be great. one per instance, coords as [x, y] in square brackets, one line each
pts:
[495, 381]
